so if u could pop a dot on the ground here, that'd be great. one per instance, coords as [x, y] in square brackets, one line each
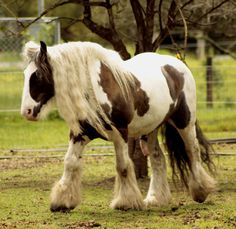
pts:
[25, 188]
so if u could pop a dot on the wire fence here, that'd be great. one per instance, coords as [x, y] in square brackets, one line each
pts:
[13, 36]
[223, 88]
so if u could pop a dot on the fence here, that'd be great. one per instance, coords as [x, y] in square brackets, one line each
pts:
[223, 87]
[12, 34]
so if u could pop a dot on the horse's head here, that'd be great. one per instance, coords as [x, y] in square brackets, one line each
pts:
[38, 83]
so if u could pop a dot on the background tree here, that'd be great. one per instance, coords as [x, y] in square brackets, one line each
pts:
[141, 24]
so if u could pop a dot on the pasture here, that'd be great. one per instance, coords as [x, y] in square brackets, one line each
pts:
[26, 180]
[25, 187]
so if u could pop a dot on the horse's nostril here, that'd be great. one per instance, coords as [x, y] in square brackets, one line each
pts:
[29, 111]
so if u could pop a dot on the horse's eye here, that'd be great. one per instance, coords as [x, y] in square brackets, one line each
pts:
[37, 75]
[36, 86]
[36, 78]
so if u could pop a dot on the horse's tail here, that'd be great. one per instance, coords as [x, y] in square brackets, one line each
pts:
[206, 149]
[179, 159]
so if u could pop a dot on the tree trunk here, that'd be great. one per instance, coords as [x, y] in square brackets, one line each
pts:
[139, 160]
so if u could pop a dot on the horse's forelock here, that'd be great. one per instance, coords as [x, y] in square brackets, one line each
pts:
[30, 50]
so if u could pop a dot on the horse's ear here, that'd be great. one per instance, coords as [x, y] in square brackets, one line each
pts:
[30, 50]
[42, 56]
[42, 63]
[43, 47]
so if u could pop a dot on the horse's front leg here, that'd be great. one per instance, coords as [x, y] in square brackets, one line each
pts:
[126, 194]
[66, 193]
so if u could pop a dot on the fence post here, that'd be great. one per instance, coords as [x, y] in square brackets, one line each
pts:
[201, 45]
[40, 7]
[209, 83]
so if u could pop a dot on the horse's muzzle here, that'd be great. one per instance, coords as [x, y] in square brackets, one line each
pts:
[28, 114]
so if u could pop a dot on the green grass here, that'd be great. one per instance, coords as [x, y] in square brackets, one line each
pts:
[10, 57]
[25, 187]
[11, 85]
[16, 132]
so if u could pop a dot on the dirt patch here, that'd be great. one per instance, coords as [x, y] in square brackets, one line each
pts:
[22, 223]
[85, 224]
[9, 164]
[189, 219]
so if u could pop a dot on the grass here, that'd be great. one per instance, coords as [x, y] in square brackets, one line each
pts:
[10, 56]
[11, 84]
[25, 187]
[15, 132]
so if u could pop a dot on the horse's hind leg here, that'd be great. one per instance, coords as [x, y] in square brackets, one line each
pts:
[126, 193]
[159, 191]
[200, 183]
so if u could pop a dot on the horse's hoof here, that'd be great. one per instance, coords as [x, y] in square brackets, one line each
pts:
[56, 208]
[199, 198]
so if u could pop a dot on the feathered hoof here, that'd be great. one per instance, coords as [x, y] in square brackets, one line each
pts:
[200, 190]
[151, 201]
[154, 201]
[125, 205]
[199, 193]
[64, 198]
[57, 208]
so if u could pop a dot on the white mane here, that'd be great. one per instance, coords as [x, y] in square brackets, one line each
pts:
[74, 64]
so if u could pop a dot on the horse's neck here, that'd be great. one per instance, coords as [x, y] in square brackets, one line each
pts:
[73, 87]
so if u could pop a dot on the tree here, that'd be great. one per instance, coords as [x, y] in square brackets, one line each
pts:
[152, 21]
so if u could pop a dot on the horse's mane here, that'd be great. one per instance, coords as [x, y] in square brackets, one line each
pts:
[74, 65]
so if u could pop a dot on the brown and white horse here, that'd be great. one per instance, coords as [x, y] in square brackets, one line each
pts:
[101, 96]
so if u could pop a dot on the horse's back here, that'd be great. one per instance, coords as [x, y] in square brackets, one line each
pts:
[142, 65]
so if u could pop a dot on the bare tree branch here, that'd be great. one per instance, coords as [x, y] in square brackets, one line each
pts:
[218, 47]
[139, 18]
[149, 24]
[109, 34]
[160, 15]
[45, 12]
[169, 25]
[185, 29]
[186, 4]
[211, 10]
[110, 15]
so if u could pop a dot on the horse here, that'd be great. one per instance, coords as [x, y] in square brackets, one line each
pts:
[99, 95]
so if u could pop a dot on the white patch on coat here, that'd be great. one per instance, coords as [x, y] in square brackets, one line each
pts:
[27, 102]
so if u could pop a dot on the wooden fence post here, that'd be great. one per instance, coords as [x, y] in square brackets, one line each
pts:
[209, 83]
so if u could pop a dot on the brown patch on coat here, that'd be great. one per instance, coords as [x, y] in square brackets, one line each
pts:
[174, 79]
[88, 131]
[106, 108]
[181, 115]
[141, 100]
[123, 108]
